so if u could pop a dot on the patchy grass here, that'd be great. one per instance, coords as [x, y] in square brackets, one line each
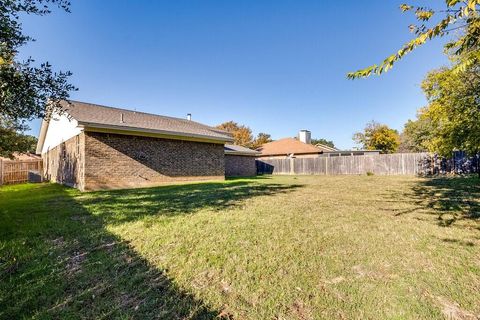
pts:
[266, 248]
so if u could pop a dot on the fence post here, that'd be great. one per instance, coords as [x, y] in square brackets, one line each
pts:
[1, 172]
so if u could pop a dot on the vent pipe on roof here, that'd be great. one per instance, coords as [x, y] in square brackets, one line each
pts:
[189, 116]
[305, 136]
[121, 118]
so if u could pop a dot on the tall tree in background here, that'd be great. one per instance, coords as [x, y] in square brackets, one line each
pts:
[378, 136]
[416, 134]
[11, 138]
[242, 135]
[261, 139]
[454, 109]
[456, 15]
[27, 90]
[325, 142]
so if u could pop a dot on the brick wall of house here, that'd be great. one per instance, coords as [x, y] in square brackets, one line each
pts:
[124, 161]
[240, 166]
[65, 163]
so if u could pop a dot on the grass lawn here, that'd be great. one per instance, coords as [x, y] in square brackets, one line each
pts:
[268, 248]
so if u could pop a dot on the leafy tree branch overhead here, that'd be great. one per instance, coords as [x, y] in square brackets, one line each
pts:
[27, 90]
[456, 15]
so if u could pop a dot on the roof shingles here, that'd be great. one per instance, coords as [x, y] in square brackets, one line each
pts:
[288, 146]
[93, 115]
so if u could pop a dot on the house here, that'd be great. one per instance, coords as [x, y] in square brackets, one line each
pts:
[240, 161]
[302, 148]
[94, 147]
[293, 148]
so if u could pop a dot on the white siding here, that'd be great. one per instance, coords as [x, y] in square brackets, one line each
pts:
[60, 129]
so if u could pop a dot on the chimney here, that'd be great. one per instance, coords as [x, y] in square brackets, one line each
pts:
[305, 136]
[121, 118]
[189, 116]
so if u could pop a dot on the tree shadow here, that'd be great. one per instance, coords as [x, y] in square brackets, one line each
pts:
[458, 242]
[450, 199]
[57, 259]
[177, 199]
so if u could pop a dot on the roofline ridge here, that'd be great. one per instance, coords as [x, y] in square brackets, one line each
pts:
[154, 114]
[147, 113]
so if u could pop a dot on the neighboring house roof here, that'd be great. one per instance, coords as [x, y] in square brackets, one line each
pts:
[325, 148]
[233, 149]
[287, 146]
[102, 118]
[348, 152]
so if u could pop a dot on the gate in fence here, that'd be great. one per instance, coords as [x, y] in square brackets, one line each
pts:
[17, 171]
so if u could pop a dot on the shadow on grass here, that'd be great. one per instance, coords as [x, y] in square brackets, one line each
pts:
[121, 206]
[450, 199]
[57, 260]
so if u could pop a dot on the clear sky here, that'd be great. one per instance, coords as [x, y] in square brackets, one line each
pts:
[277, 66]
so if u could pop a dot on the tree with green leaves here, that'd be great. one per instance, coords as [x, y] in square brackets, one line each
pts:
[325, 142]
[455, 15]
[11, 138]
[416, 134]
[378, 136]
[453, 109]
[27, 90]
[451, 120]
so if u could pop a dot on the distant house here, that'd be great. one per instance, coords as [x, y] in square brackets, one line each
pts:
[302, 148]
[97, 147]
[293, 148]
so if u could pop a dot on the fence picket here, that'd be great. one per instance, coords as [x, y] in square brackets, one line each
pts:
[381, 164]
[16, 171]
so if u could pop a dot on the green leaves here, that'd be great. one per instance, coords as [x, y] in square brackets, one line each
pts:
[424, 14]
[26, 87]
[451, 121]
[458, 15]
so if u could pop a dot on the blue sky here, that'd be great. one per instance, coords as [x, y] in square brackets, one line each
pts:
[276, 66]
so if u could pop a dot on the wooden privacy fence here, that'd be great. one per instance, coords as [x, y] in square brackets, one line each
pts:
[381, 164]
[16, 171]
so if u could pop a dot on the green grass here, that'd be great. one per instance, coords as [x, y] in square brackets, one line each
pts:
[268, 248]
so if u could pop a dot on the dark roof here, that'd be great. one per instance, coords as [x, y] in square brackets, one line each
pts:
[94, 115]
[239, 150]
[288, 146]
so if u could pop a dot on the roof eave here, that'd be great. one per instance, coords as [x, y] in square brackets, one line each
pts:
[89, 126]
[240, 153]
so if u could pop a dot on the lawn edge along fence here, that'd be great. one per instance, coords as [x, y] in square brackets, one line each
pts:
[381, 164]
[17, 171]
